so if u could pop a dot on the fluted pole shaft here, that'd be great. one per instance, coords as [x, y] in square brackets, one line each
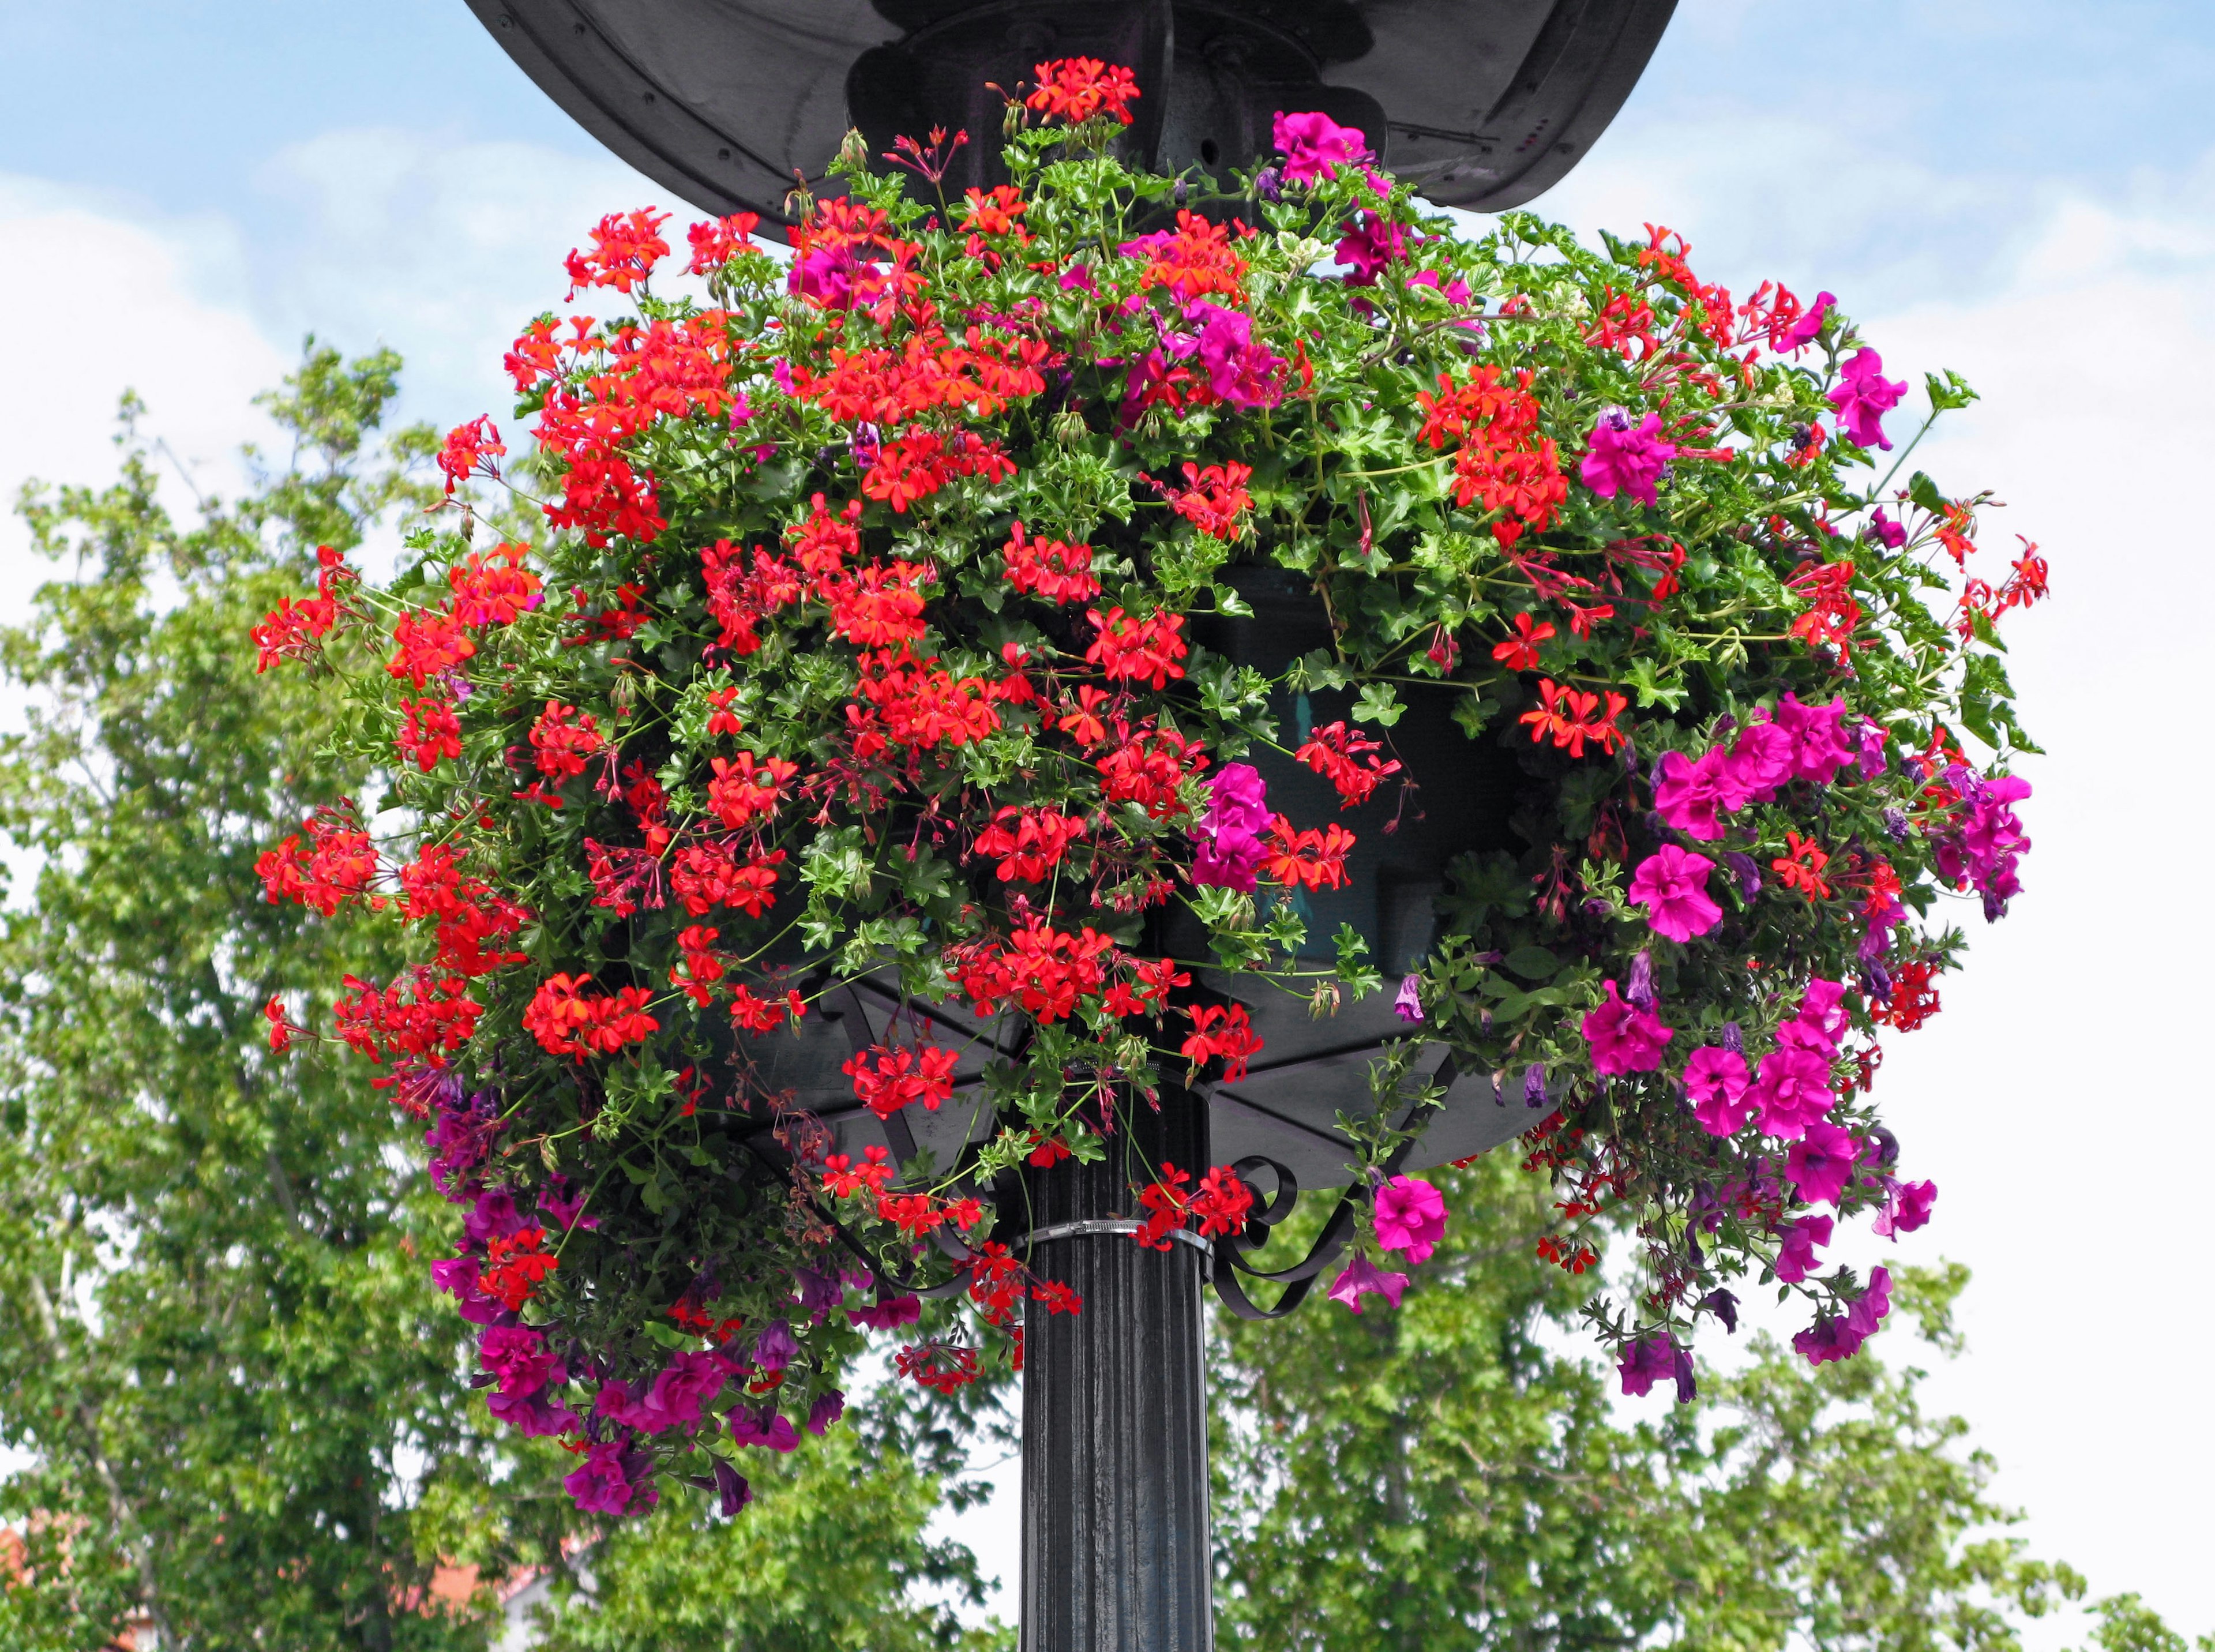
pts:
[1115, 1508]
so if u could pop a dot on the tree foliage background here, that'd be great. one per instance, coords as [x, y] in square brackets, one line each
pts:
[239, 1416]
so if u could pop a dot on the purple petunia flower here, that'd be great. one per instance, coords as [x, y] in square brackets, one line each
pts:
[1408, 1004]
[830, 1405]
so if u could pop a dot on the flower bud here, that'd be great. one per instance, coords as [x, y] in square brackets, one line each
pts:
[854, 151]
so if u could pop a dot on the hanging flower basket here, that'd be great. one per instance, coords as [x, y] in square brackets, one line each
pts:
[988, 672]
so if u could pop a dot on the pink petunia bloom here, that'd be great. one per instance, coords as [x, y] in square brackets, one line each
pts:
[1243, 372]
[1230, 833]
[1820, 745]
[1823, 1011]
[1792, 1091]
[1362, 1277]
[1410, 1216]
[1821, 1162]
[1370, 247]
[1795, 1256]
[519, 1356]
[1691, 797]
[1314, 146]
[1907, 1209]
[1760, 763]
[1872, 1304]
[1863, 397]
[1716, 1082]
[1624, 1039]
[1623, 459]
[1671, 884]
[675, 1398]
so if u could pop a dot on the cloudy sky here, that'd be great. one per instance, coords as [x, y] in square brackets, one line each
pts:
[2024, 192]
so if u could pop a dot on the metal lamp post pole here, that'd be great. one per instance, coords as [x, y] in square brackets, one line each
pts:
[1116, 1556]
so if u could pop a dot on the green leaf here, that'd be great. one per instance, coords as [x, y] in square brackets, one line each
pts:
[1532, 963]
[1380, 704]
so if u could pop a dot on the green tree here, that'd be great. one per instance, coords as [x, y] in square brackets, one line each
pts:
[242, 1408]
[1443, 1477]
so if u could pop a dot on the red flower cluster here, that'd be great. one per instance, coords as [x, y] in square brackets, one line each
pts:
[466, 448]
[429, 731]
[717, 241]
[1128, 649]
[1148, 768]
[1028, 843]
[1076, 89]
[1215, 500]
[467, 912]
[295, 630]
[337, 865]
[744, 788]
[1308, 859]
[1502, 457]
[1571, 716]
[1221, 1202]
[941, 1367]
[923, 705]
[421, 1014]
[1232, 1039]
[1043, 970]
[1049, 568]
[516, 1268]
[886, 1077]
[494, 587]
[710, 874]
[569, 1020]
[1343, 758]
[626, 246]
[1832, 614]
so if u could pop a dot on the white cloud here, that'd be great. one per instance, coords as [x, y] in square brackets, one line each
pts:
[109, 303]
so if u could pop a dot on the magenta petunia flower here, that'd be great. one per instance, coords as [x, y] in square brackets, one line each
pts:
[1795, 1255]
[1802, 332]
[1821, 745]
[1886, 531]
[1689, 796]
[830, 1405]
[1872, 759]
[888, 1311]
[1314, 146]
[519, 1356]
[535, 1415]
[1821, 1162]
[1823, 1010]
[1872, 1304]
[677, 1395]
[1863, 397]
[1374, 243]
[1623, 1038]
[1626, 460]
[1671, 884]
[1230, 833]
[1907, 1209]
[1760, 764]
[1243, 372]
[493, 1217]
[459, 1277]
[1362, 1277]
[1715, 1083]
[598, 1484]
[1792, 1092]
[1410, 1216]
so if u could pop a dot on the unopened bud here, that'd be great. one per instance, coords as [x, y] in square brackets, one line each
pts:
[1069, 427]
[854, 152]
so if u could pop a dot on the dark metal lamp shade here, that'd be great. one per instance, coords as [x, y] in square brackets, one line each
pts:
[729, 102]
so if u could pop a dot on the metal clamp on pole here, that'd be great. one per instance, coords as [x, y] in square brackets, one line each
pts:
[1117, 1225]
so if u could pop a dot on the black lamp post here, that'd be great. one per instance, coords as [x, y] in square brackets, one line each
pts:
[1485, 103]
